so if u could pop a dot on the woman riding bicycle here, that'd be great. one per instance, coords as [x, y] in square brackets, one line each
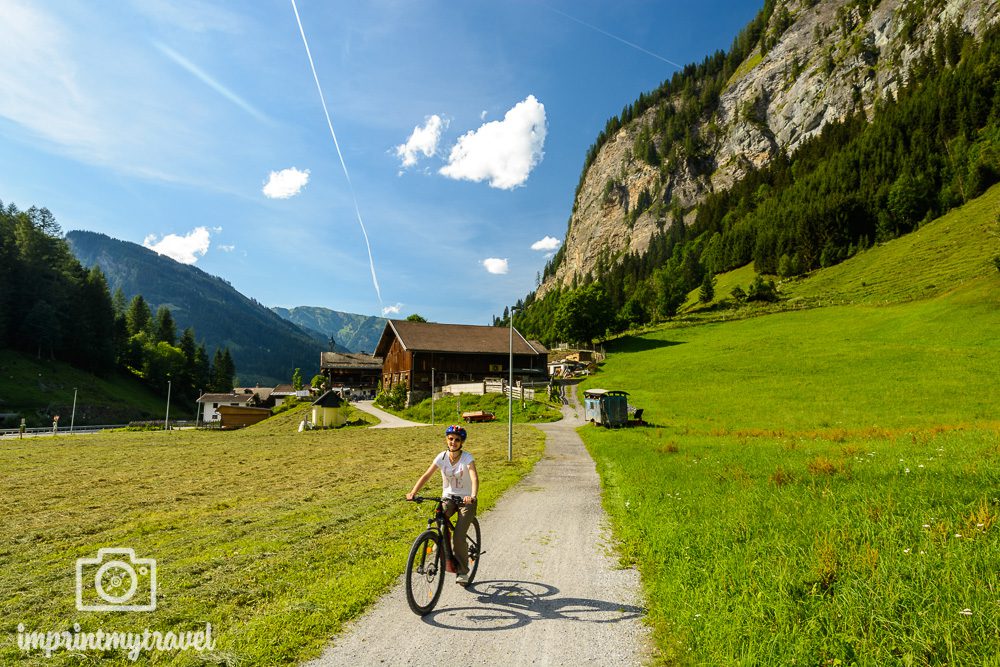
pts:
[459, 478]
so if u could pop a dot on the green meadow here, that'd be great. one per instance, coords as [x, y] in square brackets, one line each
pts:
[275, 537]
[822, 486]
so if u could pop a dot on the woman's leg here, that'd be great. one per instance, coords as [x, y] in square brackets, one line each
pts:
[466, 513]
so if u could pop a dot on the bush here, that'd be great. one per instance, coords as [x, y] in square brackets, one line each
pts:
[761, 290]
[394, 399]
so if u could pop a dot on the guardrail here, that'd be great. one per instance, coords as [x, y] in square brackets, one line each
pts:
[62, 430]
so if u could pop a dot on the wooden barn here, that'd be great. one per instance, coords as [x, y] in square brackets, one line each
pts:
[456, 352]
[241, 416]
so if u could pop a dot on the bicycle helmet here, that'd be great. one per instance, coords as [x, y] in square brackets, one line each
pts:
[455, 429]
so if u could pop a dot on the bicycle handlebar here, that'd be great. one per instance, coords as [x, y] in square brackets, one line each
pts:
[455, 499]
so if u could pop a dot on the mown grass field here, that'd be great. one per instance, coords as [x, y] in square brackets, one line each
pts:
[274, 537]
[822, 486]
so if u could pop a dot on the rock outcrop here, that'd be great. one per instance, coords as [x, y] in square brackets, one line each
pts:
[832, 60]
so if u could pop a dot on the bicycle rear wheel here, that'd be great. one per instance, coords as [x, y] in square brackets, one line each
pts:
[424, 572]
[474, 540]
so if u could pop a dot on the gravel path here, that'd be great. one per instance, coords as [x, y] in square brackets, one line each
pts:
[388, 420]
[548, 591]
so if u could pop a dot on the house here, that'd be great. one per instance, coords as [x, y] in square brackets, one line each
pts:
[327, 410]
[264, 399]
[241, 416]
[283, 392]
[358, 373]
[210, 403]
[456, 353]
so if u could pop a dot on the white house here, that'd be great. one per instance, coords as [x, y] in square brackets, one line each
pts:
[210, 403]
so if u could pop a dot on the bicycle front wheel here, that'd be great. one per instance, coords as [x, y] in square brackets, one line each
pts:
[424, 572]
[474, 541]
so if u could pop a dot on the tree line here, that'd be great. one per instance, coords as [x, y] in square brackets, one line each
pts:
[51, 307]
[933, 146]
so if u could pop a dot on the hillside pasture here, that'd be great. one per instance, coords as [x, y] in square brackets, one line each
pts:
[819, 486]
[275, 537]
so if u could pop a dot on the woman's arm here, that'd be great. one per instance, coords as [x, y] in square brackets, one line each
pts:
[474, 477]
[423, 480]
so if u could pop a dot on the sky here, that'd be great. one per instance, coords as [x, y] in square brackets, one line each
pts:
[430, 171]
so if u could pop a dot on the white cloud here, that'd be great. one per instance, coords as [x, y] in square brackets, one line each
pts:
[226, 248]
[547, 243]
[285, 183]
[496, 266]
[482, 114]
[422, 140]
[503, 152]
[392, 310]
[184, 249]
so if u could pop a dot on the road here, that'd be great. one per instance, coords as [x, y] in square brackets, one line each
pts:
[548, 592]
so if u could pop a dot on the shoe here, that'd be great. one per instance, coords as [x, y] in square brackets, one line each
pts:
[462, 580]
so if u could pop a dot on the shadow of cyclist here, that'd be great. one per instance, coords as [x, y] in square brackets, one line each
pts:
[507, 604]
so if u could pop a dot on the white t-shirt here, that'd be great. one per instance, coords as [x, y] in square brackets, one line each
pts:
[455, 477]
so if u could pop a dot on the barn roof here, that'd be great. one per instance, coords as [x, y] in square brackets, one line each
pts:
[459, 338]
[349, 360]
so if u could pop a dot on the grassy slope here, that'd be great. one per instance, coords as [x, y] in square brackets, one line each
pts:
[448, 409]
[39, 389]
[802, 495]
[275, 537]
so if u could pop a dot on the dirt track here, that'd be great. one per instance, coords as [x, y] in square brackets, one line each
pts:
[548, 591]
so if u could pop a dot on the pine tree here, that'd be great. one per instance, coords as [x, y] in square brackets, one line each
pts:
[165, 330]
[138, 317]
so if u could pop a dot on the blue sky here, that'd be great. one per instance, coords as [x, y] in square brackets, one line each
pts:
[196, 128]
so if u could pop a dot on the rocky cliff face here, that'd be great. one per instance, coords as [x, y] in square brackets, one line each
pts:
[833, 58]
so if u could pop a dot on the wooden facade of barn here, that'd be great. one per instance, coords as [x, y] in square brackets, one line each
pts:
[456, 353]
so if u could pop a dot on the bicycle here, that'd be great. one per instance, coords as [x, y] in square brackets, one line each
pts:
[431, 556]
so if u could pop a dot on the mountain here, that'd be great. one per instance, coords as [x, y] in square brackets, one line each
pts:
[798, 68]
[265, 347]
[352, 333]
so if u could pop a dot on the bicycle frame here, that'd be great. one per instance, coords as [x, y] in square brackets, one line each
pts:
[441, 523]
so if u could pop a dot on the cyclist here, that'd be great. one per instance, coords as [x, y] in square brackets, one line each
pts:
[459, 478]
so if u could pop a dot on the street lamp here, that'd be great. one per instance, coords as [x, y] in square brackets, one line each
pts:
[510, 389]
[166, 419]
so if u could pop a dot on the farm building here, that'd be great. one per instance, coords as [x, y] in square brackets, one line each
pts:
[358, 372]
[241, 416]
[456, 352]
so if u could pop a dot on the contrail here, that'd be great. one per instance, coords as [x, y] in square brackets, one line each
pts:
[616, 37]
[210, 82]
[329, 123]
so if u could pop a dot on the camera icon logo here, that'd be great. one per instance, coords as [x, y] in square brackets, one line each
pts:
[116, 581]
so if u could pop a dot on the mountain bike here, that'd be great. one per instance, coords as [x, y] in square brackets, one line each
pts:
[431, 557]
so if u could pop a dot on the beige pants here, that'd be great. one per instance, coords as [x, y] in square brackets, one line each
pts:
[460, 547]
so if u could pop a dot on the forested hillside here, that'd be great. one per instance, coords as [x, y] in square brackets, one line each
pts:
[265, 348]
[54, 310]
[868, 178]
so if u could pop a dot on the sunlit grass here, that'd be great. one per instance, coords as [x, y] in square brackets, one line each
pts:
[274, 537]
[820, 486]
